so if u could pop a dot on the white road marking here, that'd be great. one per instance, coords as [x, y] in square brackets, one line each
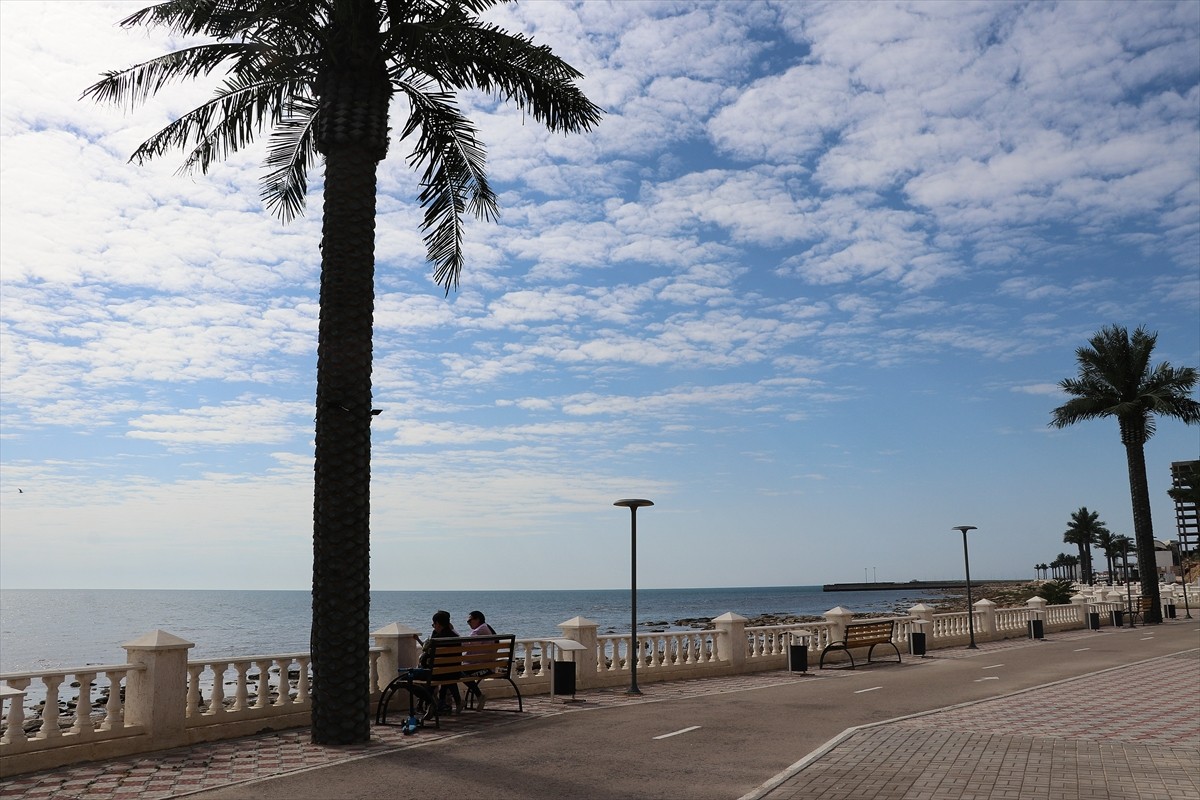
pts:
[873, 688]
[676, 733]
[988, 678]
[993, 666]
[1081, 649]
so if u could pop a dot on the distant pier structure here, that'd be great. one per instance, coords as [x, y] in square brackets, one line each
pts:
[1187, 517]
[893, 586]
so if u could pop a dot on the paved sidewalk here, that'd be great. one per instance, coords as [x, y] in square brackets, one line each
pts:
[1093, 737]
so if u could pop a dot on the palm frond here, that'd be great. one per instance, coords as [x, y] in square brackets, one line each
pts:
[454, 177]
[134, 85]
[291, 153]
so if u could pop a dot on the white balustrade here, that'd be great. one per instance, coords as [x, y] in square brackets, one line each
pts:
[229, 696]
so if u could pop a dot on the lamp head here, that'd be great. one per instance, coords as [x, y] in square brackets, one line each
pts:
[633, 503]
[964, 528]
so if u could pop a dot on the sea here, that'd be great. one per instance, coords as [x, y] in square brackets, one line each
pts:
[43, 629]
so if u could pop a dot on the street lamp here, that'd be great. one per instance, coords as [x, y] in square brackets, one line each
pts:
[967, 564]
[633, 657]
[1187, 609]
[1128, 588]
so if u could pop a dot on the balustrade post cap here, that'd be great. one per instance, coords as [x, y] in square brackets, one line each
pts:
[984, 602]
[158, 640]
[730, 616]
[839, 610]
[579, 622]
[920, 608]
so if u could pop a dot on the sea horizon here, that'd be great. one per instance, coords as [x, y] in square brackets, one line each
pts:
[61, 628]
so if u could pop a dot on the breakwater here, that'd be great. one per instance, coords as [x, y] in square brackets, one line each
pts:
[893, 586]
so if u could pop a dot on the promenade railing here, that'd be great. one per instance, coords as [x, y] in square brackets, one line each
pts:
[159, 699]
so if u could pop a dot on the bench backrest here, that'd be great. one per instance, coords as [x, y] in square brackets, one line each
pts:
[864, 633]
[473, 654]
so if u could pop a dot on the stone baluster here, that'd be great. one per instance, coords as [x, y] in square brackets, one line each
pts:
[241, 695]
[731, 640]
[50, 729]
[156, 693]
[114, 707]
[217, 704]
[83, 705]
[263, 690]
[14, 693]
[302, 681]
[193, 693]
[583, 630]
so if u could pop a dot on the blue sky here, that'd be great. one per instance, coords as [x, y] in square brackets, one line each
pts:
[809, 287]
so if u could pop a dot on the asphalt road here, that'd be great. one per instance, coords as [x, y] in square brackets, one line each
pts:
[724, 744]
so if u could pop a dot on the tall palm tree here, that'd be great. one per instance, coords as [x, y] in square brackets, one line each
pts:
[321, 75]
[1116, 379]
[1082, 531]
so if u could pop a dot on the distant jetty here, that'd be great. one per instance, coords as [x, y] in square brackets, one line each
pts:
[892, 586]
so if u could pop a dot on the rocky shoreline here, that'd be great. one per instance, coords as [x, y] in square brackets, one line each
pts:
[1004, 595]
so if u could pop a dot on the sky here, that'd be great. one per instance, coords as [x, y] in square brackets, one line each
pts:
[809, 287]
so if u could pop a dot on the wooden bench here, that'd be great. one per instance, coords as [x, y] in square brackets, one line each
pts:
[454, 660]
[1141, 607]
[863, 634]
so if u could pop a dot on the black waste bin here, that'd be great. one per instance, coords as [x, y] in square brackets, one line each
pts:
[1170, 611]
[916, 643]
[1094, 620]
[798, 657]
[1036, 629]
[1118, 617]
[562, 677]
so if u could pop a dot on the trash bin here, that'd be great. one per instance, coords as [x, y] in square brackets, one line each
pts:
[798, 651]
[1094, 620]
[916, 643]
[1036, 629]
[1170, 611]
[562, 678]
[1118, 617]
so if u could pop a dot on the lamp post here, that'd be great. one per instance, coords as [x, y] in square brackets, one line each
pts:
[967, 565]
[1187, 609]
[633, 657]
[1128, 588]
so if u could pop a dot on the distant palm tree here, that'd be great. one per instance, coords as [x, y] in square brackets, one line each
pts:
[1106, 541]
[1122, 545]
[1082, 531]
[1116, 379]
[321, 75]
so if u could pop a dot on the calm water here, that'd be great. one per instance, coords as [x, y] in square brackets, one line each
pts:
[50, 629]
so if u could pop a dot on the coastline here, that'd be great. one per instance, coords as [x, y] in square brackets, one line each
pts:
[947, 598]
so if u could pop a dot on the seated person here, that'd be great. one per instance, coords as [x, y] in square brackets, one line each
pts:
[479, 627]
[442, 629]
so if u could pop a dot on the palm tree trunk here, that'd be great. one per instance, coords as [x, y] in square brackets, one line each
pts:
[1143, 527]
[341, 712]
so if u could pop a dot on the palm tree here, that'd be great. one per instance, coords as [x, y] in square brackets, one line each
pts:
[321, 75]
[1083, 529]
[1106, 540]
[1116, 379]
[1045, 569]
